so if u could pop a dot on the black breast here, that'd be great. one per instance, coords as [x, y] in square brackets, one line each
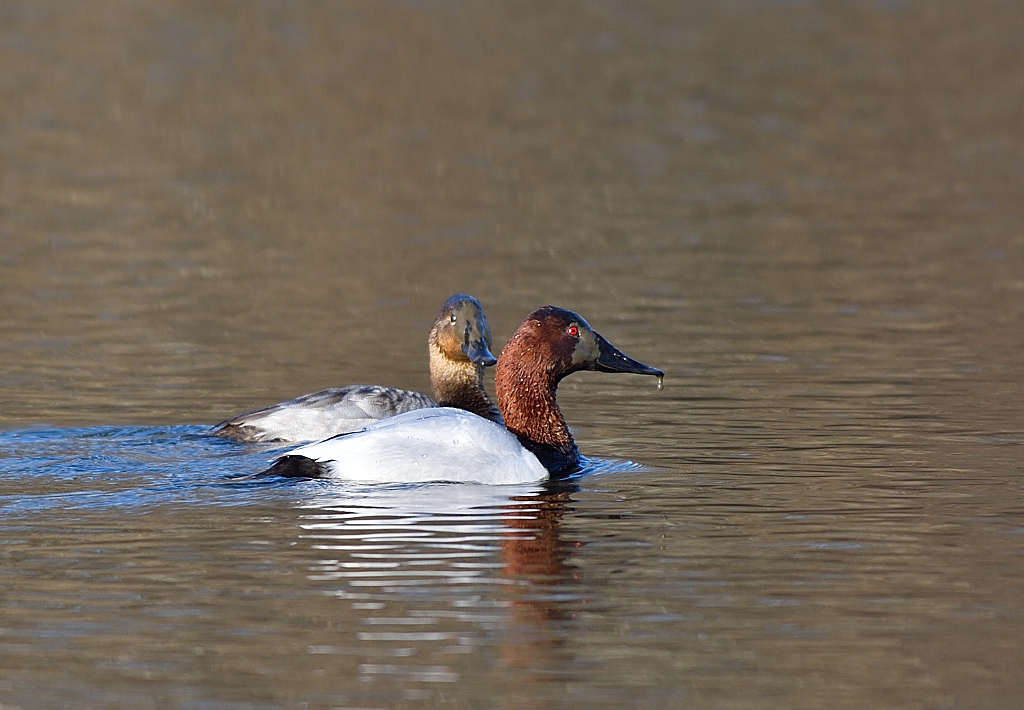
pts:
[558, 461]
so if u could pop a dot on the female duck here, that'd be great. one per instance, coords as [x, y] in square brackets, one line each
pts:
[452, 445]
[459, 345]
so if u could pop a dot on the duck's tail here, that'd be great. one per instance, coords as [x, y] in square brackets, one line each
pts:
[296, 467]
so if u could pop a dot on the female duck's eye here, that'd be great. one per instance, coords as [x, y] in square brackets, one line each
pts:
[573, 331]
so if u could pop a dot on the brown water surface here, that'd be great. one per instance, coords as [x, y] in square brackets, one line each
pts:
[809, 214]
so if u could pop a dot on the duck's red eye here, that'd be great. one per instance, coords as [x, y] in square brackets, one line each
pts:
[573, 331]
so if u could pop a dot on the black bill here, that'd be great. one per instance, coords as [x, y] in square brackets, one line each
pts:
[614, 360]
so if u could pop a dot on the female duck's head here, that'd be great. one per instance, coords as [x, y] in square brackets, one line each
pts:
[461, 332]
[460, 349]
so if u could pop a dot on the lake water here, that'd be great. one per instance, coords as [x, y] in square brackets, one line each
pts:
[809, 214]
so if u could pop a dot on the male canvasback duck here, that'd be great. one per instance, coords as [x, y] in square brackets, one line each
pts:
[459, 345]
[453, 445]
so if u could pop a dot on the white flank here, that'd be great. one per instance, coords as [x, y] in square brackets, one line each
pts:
[436, 444]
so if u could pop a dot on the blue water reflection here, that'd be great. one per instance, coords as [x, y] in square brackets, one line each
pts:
[123, 467]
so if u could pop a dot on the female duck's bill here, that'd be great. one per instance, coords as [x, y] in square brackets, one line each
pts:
[460, 348]
[451, 445]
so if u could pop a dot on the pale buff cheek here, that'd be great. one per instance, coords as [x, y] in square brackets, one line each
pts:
[450, 344]
[444, 369]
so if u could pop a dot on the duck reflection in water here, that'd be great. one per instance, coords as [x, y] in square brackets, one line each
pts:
[482, 566]
[534, 556]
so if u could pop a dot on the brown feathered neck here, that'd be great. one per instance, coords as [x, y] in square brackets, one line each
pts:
[459, 383]
[526, 379]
